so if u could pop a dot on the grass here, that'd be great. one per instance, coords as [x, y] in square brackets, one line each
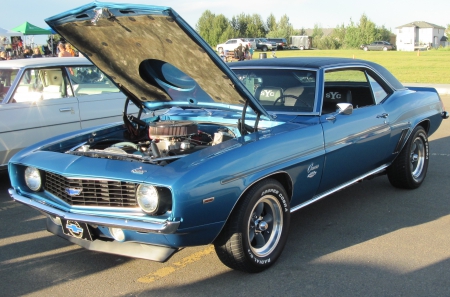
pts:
[431, 66]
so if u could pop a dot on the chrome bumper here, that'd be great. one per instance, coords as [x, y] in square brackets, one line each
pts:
[166, 227]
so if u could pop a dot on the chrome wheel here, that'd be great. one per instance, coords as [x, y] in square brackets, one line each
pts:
[265, 226]
[409, 169]
[417, 157]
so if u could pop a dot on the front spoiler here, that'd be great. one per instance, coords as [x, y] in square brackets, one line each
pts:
[166, 227]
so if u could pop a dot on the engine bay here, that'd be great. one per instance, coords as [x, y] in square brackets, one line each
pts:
[159, 142]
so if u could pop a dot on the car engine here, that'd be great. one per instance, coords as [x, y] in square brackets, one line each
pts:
[165, 141]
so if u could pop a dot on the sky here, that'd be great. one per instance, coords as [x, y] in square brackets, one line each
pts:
[302, 13]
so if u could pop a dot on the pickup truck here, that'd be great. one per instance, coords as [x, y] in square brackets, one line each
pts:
[263, 44]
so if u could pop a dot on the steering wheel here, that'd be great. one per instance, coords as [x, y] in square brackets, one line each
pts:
[281, 98]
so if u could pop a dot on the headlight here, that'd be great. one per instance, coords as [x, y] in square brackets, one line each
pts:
[147, 198]
[33, 178]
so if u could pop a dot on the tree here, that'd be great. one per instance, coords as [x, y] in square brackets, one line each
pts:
[271, 23]
[256, 26]
[220, 25]
[204, 26]
[283, 29]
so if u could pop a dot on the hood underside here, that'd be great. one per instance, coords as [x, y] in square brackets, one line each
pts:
[135, 44]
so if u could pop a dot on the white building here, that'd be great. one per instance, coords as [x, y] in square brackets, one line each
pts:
[420, 35]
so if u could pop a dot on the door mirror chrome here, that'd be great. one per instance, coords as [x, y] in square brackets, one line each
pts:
[342, 108]
[345, 108]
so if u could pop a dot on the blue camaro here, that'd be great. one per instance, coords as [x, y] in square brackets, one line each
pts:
[226, 153]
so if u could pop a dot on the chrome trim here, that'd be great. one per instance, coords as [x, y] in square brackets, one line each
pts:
[401, 140]
[366, 67]
[333, 190]
[166, 227]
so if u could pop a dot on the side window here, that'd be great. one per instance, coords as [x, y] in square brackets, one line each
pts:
[53, 84]
[346, 86]
[7, 76]
[29, 88]
[89, 80]
[40, 84]
[378, 92]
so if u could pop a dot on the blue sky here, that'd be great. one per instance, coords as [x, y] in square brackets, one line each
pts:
[301, 13]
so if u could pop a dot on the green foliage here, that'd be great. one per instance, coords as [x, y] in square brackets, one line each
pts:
[283, 29]
[216, 29]
[271, 23]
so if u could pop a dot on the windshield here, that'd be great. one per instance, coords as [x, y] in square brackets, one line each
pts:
[280, 89]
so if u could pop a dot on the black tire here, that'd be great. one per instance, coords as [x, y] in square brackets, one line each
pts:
[264, 48]
[257, 229]
[409, 169]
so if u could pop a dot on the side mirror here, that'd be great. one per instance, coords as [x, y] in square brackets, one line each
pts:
[344, 108]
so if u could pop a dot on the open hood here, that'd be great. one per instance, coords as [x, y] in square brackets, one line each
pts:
[153, 55]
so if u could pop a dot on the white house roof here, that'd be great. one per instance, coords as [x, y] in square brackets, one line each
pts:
[421, 24]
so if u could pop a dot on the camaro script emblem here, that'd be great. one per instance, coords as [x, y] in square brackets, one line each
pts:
[73, 191]
[312, 170]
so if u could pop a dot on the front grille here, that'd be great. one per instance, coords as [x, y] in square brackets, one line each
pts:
[105, 193]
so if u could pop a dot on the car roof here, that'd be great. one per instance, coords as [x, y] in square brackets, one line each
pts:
[318, 63]
[39, 62]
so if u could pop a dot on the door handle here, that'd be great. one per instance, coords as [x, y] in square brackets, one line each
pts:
[384, 115]
[66, 109]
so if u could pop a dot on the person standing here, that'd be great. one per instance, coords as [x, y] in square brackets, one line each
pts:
[70, 50]
[36, 53]
[240, 52]
[62, 51]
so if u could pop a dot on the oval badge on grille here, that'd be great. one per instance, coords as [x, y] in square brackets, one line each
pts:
[73, 191]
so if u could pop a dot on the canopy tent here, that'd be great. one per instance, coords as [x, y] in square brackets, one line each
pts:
[30, 29]
[4, 32]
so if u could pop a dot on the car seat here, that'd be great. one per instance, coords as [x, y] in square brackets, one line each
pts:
[52, 84]
[268, 95]
[333, 96]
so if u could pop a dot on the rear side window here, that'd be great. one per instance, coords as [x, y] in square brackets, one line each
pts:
[346, 86]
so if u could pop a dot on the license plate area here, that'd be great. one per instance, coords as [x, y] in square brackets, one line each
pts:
[76, 229]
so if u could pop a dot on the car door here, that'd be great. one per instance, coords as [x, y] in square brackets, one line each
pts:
[357, 143]
[100, 101]
[39, 108]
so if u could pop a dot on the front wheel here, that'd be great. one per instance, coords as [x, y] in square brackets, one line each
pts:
[385, 48]
[257, 229]
[409, 169]
[264, 48]
[366, 48]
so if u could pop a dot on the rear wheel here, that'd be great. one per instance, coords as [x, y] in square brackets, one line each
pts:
[385, 48]
[264, 48]
[408, 171]
[256, 231]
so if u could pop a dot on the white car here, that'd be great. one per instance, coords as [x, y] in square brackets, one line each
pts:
[231, 44]
[44, 97]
